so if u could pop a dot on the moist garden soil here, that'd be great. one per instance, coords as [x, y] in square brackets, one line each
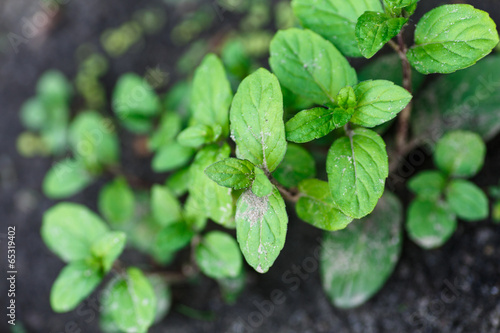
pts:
[452, 289]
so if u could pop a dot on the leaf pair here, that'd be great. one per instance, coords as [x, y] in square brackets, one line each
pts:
[432, 216]
[81, 238]
[372, 103]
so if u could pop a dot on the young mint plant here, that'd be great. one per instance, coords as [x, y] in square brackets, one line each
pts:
[442, 196]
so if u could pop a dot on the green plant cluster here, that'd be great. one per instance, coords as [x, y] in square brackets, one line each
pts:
[241, 160]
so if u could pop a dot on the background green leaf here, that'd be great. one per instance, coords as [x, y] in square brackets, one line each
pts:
[232, 172]
[309, 65]
[171, 157]
[429, 184]
[460, 153]
[297, 165]
[467, 200]
[66, 178]
[108, 248]
[452, 37]
[165, 207]
[257, 120]
[261, 225]
[335, 20]
[430, 223]
[219, 256]
[357, 167]
[116, 202]
[356, 261]
[316, 206]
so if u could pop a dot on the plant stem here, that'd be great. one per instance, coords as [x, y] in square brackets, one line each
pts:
[404, 116]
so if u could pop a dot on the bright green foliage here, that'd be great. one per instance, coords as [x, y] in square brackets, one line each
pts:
[309, 65]
[257, 120]
[261, 185]
[375, 29]
[178, 182]
[232, 172]
[69, 230]
[132, 302]
[198, 135]
[211, 95]
[116, 202]
[171, 157]
[316, 206]
[452, 37]
[315, 123]
[430, 223]
[335, 20]
[53, 87]
[213, 201]
[135, 102]
[261, 225]
[378, 102]
[297, 165]
[33, 114]
[173, 237]
[75, 282]
[93, 139]
[396, 7]
[460, 153]
[357, 167]
[219, 256]
[476, 108]
[346, 98]
[66, 178]
[170, 126]
[428, 184]
[467, 200]
[356, 261]
[165, 207]
[108, 248]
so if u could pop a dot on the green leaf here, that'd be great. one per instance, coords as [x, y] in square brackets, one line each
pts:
[54, 86]
[93, 139]
[75, 282]
[467, 200]
[213, 201]
[316, 206]
[346, 98]
[378, 102]
[395, 7]
[116, 202]
[335, 20]
[173, 237]
[69, 230]
[460, 153]
[65, 179]
[297, 165]
[430, 223]
[108, 248]
[178, 182]
[165, 207]
[261, 225]
[219, 256]
[261, 186]
[428, 184]
[466, 100]
[257, 120]
[310, 66]
[357, 261]
[132, 302]
[198, 135]
[133, 96]
[171, 157]
[357, 166]
[211, 94]
[375, 29]
[315, 123]
[163, 296]
[170, 126]
[452, 37]
[388, 67]
[33, 114]
[232, 172]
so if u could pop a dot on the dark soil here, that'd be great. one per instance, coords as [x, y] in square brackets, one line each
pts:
[452, 289]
